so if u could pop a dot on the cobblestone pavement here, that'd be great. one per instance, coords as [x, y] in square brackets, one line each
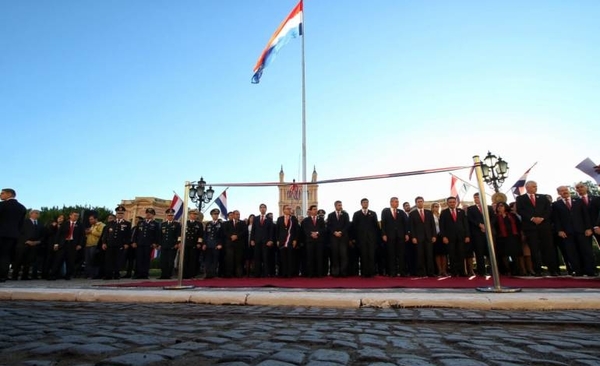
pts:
[60, 333]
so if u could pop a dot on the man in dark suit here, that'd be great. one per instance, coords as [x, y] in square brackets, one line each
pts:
[591, 202]
[572, 223]
[261, 238]
[394, 233]
[366, 234]
[455, 233]
[286, 237]
[235, 232]
[315, 231]
[478, 234]
[71, 239]
[32, 234]
[536, 213]
[338, 227]
[12, 215]
[423, 235]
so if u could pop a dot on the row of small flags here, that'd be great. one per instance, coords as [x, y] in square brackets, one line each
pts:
[458, 187]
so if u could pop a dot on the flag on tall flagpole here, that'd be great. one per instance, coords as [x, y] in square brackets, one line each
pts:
[458, 188]
[290, 28]
[519, 187]
[221, 201]
[177, 205]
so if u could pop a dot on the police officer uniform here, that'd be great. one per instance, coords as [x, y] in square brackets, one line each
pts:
[116, 236]
[194, 233]
[170, 235]
[213, 241]
[148, 236]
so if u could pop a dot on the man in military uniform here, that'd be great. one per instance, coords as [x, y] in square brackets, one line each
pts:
[115, 239]
[212, 244]
[170, 237]
[194, 233]
[129, 255]
[147, 237]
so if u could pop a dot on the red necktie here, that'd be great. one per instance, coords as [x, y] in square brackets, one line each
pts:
[568, 202]
[585, 200]
[422, 215]
[262, 220]
[453, 215]
[479, 207]
[532, 197]
[314, 221]
[394, 214]
[70, 236]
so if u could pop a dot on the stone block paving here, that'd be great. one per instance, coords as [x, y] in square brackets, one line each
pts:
[61, 333]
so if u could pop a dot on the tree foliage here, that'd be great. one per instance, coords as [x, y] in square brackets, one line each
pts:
[593, 188]
[49, 214]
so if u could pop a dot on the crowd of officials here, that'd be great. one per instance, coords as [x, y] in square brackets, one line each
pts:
[529, 234]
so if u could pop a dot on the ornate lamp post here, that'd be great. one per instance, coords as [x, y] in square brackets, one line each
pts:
[198, 193]
[495, 171]
[502, 167]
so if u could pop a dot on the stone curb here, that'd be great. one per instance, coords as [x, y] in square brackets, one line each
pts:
[476, 301]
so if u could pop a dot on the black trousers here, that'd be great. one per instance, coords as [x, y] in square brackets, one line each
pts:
[287, 261]
[67, 254]
[260, 259]
[543, 251]
[167, 262]
[7, 246]
[24, 257]
[581, 255]
[480, 248]
[396, 261]
[234, 256]
[142, 260]
[112, 261]
[211, 261]
[425, 258]
[314, 258]
[367, 258]
[190, 261]
[339, 256]
[456, 254]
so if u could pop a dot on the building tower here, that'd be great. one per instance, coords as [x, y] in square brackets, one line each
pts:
[291, 194]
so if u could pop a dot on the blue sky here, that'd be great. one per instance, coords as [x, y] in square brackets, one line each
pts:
[108, 100]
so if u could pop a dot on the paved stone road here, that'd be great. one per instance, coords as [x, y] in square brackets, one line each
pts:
[50, 333]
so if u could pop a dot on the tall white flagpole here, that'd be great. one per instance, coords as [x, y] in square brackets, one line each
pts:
[304, 187]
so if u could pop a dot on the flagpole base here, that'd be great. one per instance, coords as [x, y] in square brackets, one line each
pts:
[499, 289]
[179, 287]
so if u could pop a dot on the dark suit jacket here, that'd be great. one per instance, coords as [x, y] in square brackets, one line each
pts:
[78, 233]
[573, 221]
[451, 229]
[365, 228]
[593, 208]
[394, 228]
[308, 227]
[262, 233]
[32, 232]
[423, 231]
[286, 234]
[12, 214]
[525, 209]
[343, 224]
[239, 229]
[475, 218]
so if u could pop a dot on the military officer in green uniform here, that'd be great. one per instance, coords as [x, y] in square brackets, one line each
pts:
[170, 236]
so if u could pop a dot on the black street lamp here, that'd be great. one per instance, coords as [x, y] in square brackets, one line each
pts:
[199, 195]
[494, 171]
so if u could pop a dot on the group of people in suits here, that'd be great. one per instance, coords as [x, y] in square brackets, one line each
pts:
[529, 234]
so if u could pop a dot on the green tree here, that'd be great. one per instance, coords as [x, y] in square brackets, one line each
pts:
[593, 188]
[49, 214]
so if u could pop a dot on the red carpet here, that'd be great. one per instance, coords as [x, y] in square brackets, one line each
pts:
[376, 283]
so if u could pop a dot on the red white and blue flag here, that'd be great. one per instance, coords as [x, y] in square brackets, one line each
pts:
[177, 205]
[221, 201]
[290, 28]
[458, 189]
[154, 253]
[519, 187]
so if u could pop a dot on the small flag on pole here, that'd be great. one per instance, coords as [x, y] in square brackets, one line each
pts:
[155, 253]
[458, 189]
[519, 187]
[290, 28]
[221, 201]
[177, 205]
